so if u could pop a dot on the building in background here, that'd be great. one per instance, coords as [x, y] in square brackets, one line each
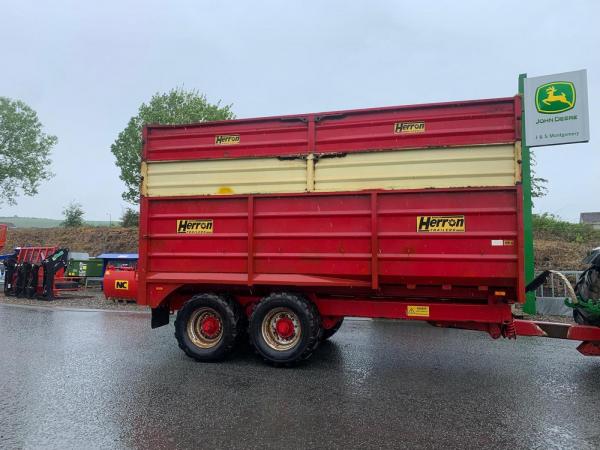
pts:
[591, 218]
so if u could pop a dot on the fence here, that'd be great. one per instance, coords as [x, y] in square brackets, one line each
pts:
[551, 295]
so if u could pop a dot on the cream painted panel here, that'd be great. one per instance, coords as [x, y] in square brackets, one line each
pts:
[415, 169]
[231, 176]
[494, 165]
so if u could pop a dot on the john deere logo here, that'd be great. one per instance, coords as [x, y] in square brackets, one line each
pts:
[556, 97]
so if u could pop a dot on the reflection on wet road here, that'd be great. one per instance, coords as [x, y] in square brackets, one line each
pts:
[73, 379]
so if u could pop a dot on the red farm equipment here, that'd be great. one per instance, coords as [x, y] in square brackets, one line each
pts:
[3, 228]
[37, 272]
[283, 226]
[120, 283]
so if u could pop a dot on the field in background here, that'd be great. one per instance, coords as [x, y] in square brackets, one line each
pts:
[38, 222]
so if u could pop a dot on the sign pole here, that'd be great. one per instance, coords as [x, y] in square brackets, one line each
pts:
[529, 307]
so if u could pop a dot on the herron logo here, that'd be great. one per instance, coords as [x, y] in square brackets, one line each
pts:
[409, 127]
[122, 284]
[555, 97]
[193, 226]
[227, 139]
[440, 224]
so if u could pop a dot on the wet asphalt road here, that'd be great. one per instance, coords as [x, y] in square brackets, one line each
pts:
[72, 379]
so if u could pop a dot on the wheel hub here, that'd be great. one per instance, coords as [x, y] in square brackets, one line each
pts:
[285, 327]
[210, 326]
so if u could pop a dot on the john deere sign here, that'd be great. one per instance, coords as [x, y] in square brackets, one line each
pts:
[556, 110]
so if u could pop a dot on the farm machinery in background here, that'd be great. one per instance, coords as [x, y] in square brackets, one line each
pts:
[3, 228]
[37, 272]
[584, 297]
[120, 282]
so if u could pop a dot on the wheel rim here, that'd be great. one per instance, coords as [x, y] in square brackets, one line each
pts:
[281, 329]
[205, 328]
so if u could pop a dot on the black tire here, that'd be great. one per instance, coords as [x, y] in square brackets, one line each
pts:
[242, 324]
[331, 331]
[189, 331]
[306, 332]
[21, 282]
[9, 282]
[31, 282]
[582, 317]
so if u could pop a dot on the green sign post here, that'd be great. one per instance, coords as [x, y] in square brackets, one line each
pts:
[554, 110]
[529, 306]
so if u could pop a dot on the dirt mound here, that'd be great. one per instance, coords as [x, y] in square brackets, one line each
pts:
[93, 240]
[559, 255]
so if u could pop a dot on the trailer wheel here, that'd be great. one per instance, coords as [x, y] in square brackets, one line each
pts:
[207, 327]
[284, 328]
[242, 323]
[327, 333]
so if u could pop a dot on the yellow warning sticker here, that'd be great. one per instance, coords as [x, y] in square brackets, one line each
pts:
[122, 284]
[417, 311]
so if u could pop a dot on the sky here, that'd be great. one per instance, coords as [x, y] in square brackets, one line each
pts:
[85, 67]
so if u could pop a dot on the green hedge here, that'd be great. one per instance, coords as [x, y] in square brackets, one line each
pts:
[548, 226]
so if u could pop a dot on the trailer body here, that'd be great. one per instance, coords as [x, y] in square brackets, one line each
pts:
[408, 212]
[372, 241]
[420, 201]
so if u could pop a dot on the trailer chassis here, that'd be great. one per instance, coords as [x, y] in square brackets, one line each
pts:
[494, 316]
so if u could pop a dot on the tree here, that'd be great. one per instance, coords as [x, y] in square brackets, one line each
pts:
[130, 218]
[538, 184]
[174, 107]
[73, 215]
[24, 151]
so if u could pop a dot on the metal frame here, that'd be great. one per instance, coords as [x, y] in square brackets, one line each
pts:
[529, 306]
[588, 335]
[554, 286]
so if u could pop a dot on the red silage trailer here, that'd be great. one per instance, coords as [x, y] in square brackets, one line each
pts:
[288, 224]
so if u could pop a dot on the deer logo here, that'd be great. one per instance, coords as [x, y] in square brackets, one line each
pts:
[553, 97]
[556, 97]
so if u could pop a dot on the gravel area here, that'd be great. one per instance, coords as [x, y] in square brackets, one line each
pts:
[89, 299]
